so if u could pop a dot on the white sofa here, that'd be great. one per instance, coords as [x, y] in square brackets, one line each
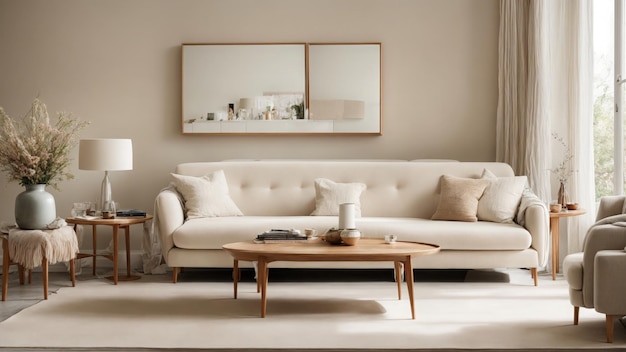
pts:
[400, 197]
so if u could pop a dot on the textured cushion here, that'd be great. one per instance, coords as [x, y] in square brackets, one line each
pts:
[206, 196]
[329, 194]
[459, 198]
[501, 199]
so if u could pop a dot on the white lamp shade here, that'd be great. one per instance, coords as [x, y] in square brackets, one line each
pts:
[246, 103]
[105, 154]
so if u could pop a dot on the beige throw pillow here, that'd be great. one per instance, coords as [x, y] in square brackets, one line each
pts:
[206, 196]
[329, 194]
[459, 198]
[502, 197]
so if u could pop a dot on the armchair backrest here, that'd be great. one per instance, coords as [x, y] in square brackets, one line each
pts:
[609, 206]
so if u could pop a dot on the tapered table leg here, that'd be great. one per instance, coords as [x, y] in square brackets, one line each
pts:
[398, 272]
[235, 276]
[554, 233]
[5, 268]
[262, 277]
[408, 276]
[94, 241]
[44, 273]
[115, 252]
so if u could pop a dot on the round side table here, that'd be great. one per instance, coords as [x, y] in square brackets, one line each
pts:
[555, 218]
[116, 223]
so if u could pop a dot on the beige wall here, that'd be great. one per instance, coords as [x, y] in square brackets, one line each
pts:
[117, 64]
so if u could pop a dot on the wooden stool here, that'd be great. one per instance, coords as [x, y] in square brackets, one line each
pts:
[31, 248]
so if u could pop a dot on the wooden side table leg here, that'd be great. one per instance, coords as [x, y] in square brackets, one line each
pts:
[127, 235]
[94, 242]
[44, 274]
[5, 268]
[115, 250]
[554, 233]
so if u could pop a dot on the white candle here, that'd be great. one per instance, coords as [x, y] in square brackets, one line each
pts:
[346, 216]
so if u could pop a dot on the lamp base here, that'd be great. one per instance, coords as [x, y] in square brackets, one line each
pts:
[105, 192]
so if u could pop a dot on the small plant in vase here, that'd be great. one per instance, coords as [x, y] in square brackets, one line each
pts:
[563, 171]
[298, 110]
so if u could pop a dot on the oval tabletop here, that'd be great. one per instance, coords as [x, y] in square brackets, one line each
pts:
[369, 249]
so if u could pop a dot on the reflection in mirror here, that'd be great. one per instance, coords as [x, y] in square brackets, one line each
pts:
[344, 86]
[264, 88]
[224, 85]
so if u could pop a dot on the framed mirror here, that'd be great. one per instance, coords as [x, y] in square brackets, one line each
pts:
[344, 86]
[281, 88]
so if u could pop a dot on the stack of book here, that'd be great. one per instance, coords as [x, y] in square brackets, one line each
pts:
[128, 213]
[280, 236]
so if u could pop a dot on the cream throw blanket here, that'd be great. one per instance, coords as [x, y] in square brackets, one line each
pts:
[29, 247]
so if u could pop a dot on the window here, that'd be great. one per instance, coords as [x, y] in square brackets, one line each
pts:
[605, 119]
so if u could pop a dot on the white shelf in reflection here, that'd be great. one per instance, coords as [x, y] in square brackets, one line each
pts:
[260, 126]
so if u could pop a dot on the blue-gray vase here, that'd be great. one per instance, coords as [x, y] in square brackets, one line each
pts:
[34, 208]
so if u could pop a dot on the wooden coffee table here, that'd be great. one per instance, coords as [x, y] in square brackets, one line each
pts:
[367, 249]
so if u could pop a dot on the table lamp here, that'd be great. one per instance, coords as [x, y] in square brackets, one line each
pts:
[106, 155]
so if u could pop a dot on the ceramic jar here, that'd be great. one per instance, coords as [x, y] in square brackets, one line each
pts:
[34, 208]
[350, 236]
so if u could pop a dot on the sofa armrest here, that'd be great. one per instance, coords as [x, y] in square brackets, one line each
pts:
[170, 214]
[537, 222]
[534, 216]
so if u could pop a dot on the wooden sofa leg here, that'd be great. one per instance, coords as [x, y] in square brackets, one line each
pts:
[175, 274]
[609, 328]
[533, 273]
[576, 310]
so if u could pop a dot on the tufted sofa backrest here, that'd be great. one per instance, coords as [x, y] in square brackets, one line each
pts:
[286, 187]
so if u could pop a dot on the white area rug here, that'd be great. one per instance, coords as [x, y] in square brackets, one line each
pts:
[316, 315]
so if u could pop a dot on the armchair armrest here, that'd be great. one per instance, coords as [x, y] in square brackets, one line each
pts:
[169, 211]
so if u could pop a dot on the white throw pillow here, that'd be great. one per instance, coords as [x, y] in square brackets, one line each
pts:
[206, 196]
[329, 194]
[502, 197]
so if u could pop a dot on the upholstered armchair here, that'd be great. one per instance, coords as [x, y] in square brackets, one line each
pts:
[596, 275]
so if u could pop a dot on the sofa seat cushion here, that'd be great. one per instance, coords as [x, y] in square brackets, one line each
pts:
[213, 233]
[450, 235]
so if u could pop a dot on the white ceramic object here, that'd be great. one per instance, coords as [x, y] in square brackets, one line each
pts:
[350, 236]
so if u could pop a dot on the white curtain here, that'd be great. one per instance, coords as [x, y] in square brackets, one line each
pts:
[572, 107]
[522, 117]
[545, 86]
